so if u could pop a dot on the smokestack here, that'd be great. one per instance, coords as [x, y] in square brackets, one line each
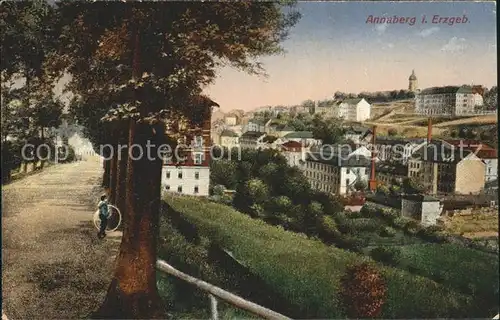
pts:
[429, 131]
[373, 183]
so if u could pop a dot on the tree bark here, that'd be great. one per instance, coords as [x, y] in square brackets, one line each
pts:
[133, 292]
[105, 177]
[121, 171]
[42, 161]
[112, 176]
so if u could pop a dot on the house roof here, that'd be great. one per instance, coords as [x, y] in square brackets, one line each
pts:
[356, 130]
[299, 134]
[269, 139]
[252, 134]
[481, 150]
[441, 153]
[339, 160]
[386, 140]
[228, 133]
[352, 101]
[395, 169]
[259, 121]
[291, 144]
[419, 197]
[447, 89]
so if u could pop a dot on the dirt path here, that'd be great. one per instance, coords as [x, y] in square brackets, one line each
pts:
[54, 267]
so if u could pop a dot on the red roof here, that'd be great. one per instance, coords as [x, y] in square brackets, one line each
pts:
[292, 145]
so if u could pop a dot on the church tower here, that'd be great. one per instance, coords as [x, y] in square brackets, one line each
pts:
[413, 84]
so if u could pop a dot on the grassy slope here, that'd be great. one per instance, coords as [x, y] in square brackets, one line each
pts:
[306, 271]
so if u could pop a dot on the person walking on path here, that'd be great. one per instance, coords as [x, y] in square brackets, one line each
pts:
[103, 215]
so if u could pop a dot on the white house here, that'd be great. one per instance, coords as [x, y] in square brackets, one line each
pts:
[231, 120]
[229, 139]
[251, 140]
[258, 125]
[294, 153]
[305, 137]
[354, 109]
[190, 180]
[336, 174]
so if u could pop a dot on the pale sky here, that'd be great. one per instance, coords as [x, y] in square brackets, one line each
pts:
[333, 48]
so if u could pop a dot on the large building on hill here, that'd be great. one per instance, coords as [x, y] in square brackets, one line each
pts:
[189, 173]
[448, 101]
[357, 109]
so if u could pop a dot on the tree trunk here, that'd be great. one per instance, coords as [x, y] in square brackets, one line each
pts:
[121, 171]
[112, 176]
[107, 169]
[133, 292]
[42, 161]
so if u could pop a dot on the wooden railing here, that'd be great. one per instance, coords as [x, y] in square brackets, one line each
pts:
[215, 293]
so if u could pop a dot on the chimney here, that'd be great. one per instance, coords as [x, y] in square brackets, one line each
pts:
[373, 183]
[429, 130]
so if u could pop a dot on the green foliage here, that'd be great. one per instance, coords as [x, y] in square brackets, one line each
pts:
[257, 190]
[383, 189]
[301, 269]
[387, 255]
[218, 190]
[412, 186]
[224, 172]
[387, 232]
[329, 131]
[360, 185]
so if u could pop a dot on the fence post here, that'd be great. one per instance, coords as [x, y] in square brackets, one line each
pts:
[213, 307]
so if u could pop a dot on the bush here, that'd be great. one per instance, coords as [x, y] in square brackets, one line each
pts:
[328, 229]
[400, 222]
[387, 255]
[363, 291]
[351, 243]
[432, 233]
[387, 232]
[412, 227]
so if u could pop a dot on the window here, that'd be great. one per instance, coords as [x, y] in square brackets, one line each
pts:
[196, 189]
[198, 141]
[179, 175]
[197, 176]
[168, 174]
[179, 189]
[348, 171]
[167, 187]
[198, 158]
[347, 181]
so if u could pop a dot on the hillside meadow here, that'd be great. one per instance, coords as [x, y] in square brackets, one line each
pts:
[305, 273]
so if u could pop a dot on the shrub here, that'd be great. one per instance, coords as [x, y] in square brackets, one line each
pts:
[432, 233]
[412, 227]
[363, 291]
[387, 255]
[351, 243]
[400, 222]
[387, 232]
[327, 229]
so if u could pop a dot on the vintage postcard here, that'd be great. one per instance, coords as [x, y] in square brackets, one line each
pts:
[249, 159]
